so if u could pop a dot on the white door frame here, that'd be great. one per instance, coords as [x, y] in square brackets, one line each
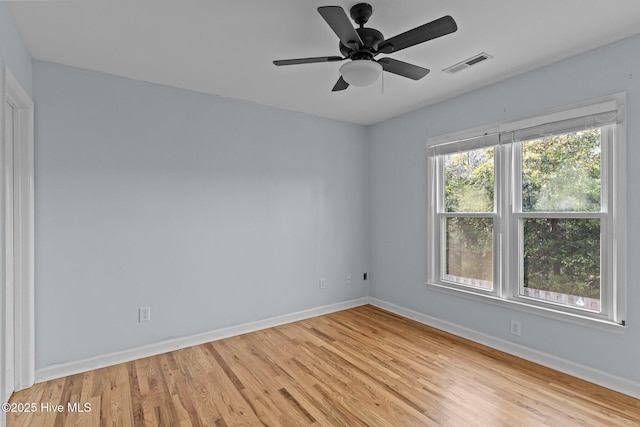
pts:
[19, 252]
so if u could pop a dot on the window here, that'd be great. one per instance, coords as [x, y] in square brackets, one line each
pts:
[469, 217]
[532, 212]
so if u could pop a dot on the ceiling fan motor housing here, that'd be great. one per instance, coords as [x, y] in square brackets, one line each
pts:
[370, 37]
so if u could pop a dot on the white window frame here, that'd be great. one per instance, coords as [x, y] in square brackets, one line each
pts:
[507, 216]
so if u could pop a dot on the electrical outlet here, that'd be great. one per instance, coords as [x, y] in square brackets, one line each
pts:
[348, 279]
[323, 283]
[144, 314]
[516, 328]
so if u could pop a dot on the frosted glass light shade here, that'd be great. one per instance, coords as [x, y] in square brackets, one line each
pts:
[361, 72]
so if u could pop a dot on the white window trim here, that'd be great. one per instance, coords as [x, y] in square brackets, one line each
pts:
[506, 273]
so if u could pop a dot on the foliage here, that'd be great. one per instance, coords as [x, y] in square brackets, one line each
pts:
[560, 173]
[469, 182]
[563, 255]
[470, 248]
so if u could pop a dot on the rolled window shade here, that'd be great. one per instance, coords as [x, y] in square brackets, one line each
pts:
[467, 144]
[555, 123]
[559, 127]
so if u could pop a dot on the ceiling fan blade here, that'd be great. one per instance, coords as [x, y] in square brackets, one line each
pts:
[339, 22]
[340, 85]
[308, 60]
[403, 69]
[432, 30]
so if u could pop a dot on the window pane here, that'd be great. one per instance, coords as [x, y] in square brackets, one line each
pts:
[562, 261]
[562, 173]
[469, 247]
[469, 180]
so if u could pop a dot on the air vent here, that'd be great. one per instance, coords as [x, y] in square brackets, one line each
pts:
[467, 63]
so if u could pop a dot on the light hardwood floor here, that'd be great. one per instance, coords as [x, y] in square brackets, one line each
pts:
[357, 367]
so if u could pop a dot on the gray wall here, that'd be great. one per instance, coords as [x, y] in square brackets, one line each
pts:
[12, 50]
[14, 54]
[213, 212]
[398, 203]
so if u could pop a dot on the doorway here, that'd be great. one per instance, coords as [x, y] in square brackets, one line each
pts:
[16, 236]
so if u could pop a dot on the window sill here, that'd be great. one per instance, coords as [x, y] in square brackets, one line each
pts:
[549, 313]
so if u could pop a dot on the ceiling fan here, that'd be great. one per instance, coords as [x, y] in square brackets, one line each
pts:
[361, 45]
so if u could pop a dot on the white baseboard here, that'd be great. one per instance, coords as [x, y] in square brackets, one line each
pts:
[76, 367]
[613, 382]
[622, 385]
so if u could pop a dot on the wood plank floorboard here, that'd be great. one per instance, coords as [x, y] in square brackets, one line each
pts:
[359, 367]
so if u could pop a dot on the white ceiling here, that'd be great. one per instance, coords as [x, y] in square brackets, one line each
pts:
[225, 47]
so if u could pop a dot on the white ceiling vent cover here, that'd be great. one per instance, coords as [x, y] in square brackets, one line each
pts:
[467, 63]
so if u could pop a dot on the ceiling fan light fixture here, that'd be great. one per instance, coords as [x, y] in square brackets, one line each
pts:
[361, 72]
